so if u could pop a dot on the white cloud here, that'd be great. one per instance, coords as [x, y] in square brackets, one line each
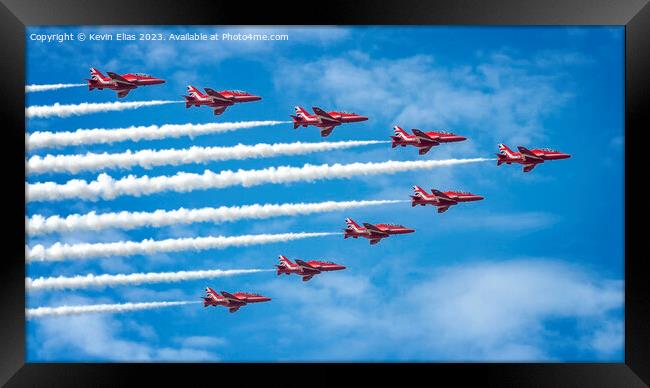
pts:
[481, 311]
[102, 337]
[165, 54]
[503, 98]
[200, 341]
[503, 221]
[608, 339]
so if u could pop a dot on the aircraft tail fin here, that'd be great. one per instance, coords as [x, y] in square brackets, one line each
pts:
[284, 262]
[188, 101]
[193, 92]
[210, 292]
[399, 132]
[296, 121]
[419, 191]
[504, 150]
[94, 73]
[352, 224]
[301, 112]
[394, 142]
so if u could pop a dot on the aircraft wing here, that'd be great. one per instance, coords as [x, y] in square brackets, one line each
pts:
[215, 94]
[375, 230]
[219, 110]
[306, 266]
[424, 150]
[424, 138]
[374, 241]
[528, 154]
[324, 117]
[529, 167]
[441, 195]
[119, 79]
[233, 309]
[122, 93]
[442, 209]
[232, 297]
[324, 132]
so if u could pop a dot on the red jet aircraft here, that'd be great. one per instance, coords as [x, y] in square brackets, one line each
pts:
[374, 233]
[232, 301]
[122, 84]
[443, 200]
[306, 269]
[217, 100]
[529, 158]
[326, 121]
[423, 140]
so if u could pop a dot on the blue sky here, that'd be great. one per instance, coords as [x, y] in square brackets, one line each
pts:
[532, 273]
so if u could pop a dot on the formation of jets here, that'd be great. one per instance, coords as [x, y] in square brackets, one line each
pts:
[326, 121]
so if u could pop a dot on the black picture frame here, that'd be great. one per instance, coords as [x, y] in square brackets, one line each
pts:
[16, 14]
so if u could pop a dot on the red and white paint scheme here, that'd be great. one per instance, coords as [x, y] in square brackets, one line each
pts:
[217, 100]
[232, 301]
[326, 121]
[373, 232]
[122, 84]
[528, 158]
[306, 269]
[443, 200]
[422, 140]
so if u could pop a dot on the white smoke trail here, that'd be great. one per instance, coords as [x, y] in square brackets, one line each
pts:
[135, 133]
[60, 252]
[43, 88]
[84, 108]
[105, 187]
[100, 308]
[38, 224]
[77, 282]
[152, 158]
